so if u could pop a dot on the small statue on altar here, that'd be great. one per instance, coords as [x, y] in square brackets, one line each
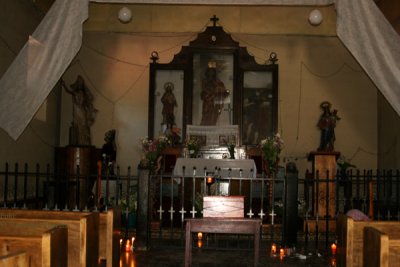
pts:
[109, 151]
[327, 124]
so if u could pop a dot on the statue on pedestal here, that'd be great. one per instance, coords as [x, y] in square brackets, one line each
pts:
[83, 112]
[327, 124]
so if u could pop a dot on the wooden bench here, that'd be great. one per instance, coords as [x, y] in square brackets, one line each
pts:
[230, 221]
[109, 229]
[83, 231]
[350, 236]
[381, 249]
[15, 259]
[43, 244]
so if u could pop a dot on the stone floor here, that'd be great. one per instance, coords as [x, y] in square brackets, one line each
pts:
[174, 257]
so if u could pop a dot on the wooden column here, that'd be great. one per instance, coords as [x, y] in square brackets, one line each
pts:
[325, 164]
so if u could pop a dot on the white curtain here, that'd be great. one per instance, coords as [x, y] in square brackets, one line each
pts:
[45, 57]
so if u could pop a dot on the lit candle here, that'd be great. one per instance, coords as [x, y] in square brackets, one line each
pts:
[333, 248]
[199, 243]
[282, 252]
[273, 249]
[120, 241]
[199, 235]
[128, 245]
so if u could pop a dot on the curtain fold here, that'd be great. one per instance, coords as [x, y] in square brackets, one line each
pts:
[374, 43]
[40, 64]
[35, 71]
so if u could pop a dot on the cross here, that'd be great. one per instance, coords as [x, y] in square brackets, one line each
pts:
[182, 212]
[272, 214]
[250, 213]
[214, 19]
[160, 211]
[193, 211]
[171, 211]
[261, 214]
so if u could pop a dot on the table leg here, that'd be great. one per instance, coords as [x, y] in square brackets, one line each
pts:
[256, 244]
[188, 245]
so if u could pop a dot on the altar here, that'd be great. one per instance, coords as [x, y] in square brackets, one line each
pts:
[245, 168]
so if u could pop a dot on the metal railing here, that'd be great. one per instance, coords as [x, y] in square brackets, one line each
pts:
[172, 199]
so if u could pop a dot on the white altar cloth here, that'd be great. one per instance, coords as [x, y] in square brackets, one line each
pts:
[247, 166]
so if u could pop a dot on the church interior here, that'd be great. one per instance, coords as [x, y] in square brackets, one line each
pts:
[203, 118]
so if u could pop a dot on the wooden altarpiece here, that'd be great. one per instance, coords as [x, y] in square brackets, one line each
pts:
[246, 96]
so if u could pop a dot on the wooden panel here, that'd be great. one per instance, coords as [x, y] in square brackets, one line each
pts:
[17, 259]
[375, 248]
[109, 235]
[223, 206]
[312, 225]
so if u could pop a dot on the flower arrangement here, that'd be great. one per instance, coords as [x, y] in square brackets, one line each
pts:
[271, 148]
[152, 149]
[192, 145]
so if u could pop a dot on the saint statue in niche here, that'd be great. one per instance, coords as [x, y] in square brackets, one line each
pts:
[327, 124]
[169, 103]
[212, 94]
[83, 111]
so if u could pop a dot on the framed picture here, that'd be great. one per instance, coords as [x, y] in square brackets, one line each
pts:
[259, 106]
[213, 88]
[224, 140]
[168, 102]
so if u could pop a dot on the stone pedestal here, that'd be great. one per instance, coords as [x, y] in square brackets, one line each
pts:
[143, 220]
[324, 173]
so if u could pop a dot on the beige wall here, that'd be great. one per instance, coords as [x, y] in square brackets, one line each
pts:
[114, 59]
[37, 142]
[313, 67]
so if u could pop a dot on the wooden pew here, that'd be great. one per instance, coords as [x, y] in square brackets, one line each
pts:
[109, 229]
[15, 259]
[43, 244]
[83, 231]
[350, 236]
[381, 249]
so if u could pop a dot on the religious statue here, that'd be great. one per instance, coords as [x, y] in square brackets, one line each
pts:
[83, 111]
[327, 124]
[109, 150]
[212, 94]
[169, 103]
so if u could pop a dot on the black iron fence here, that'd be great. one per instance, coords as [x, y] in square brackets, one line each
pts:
[310, 204]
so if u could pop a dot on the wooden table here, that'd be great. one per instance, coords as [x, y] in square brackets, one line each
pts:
[222, 226]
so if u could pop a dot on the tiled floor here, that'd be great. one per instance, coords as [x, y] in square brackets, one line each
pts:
[174, 257]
